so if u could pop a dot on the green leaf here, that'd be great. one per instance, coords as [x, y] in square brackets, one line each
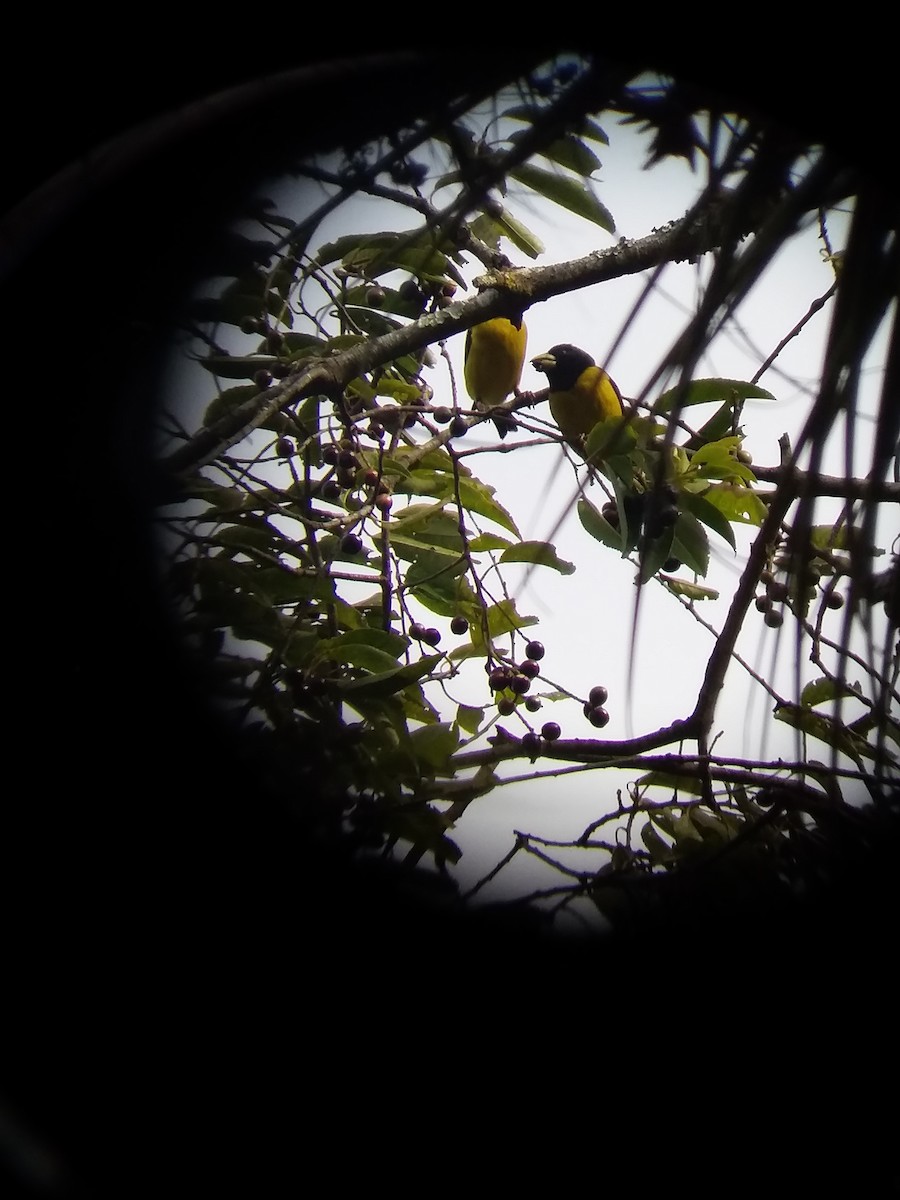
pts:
[567, 151]
[417, 517]
[520, 235]
[676, 783]
[692, 591]
[569, 193]
[244, 536]
[391, 681]
[590, 129]
[503, 618]
[230, 308]
[716, 460]
[534, 112]
[611, 437]
[716, 452]
[426, 829]
[434, 584]
[820, 690]
[572, 153]
[478, 497]
[435, 460]
[541, 553]
[691, 544]
[237, 366]
[598, 526]
[219, 497]
[736, 503]
[374, 254]
[720, 423]
[654, 553]
[708, 825]
[709, 391]
[427, 534]
[281, 586]
[469, 718]
[660, 850]
[487, 230]
[489, 541]
[398, 389]
[709, 515]
[434, 744]
[415, 707]
[376, 650]
[301, 345]
[299, 649]
[426, 483]
[826, 729]
[353, 245]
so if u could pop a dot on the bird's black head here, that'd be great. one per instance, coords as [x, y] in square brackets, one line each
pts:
[562, 365]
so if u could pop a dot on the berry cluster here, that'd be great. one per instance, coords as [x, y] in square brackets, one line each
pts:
[796, 591]
[593, 708]
[505, 677]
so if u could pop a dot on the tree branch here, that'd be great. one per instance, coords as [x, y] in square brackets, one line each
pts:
[505, 293]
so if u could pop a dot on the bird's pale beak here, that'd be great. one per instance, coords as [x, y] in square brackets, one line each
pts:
[543, 362]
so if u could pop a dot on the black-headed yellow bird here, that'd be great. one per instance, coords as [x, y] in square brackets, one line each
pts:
[581, 393]
[495, 354]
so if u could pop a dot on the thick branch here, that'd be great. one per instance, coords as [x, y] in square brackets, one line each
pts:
[811, 483]
[508, 292]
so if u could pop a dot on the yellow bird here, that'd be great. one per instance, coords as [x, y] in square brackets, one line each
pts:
[581, 393]
[495, 354]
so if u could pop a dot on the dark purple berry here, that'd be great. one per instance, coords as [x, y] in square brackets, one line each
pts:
[459, 626]
[535, 650]
[505, 706]
[532, 703]
[529, 668]
[431, 637]
[519, 684]
[497, 679]
[351, 544]
[410, 293]
[598, 695]
[598, 716]
[532, 743]
[551, 731]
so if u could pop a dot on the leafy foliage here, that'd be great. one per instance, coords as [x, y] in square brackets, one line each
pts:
[308, 553]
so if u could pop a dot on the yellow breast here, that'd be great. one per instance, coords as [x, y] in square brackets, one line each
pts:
[593, 398]
[495, 353]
